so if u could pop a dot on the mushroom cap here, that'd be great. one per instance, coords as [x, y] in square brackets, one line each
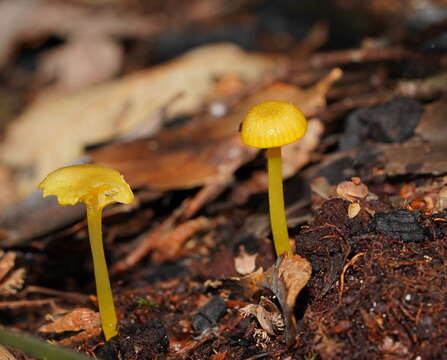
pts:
[92, 184]
[272, 124]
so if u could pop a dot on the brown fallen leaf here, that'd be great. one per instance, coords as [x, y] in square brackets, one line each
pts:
[82, 337]
[432, 127]
[83, 61]
[108, 110]
[267, 314]
[250, 282]
[168, 246]
[76, 320]
[5, 354]
[286, 278]
[412, 157]
[211, 149]
[10, 280]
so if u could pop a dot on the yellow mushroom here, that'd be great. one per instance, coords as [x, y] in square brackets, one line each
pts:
[96, 186]
[270, 125]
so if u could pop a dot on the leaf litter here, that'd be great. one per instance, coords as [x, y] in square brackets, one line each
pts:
[366, 208]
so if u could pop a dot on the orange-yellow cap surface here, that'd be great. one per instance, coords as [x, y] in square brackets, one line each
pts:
[272, 124]
[91, 184]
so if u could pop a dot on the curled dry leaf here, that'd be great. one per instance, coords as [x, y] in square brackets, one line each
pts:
[267, 314]
[286, 278]
[76, 320]
[10, 280]
[5, 354]
[245, 263]
[352, 190]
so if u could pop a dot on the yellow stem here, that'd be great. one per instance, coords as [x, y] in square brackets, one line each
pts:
[276, 202]
[103, 289]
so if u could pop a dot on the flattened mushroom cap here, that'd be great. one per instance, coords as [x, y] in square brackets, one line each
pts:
[91, 184]
[272, 124]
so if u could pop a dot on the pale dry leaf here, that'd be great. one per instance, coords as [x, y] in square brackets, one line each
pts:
[286, 278]
[8, 193]
[351, 191]
[245, 263]
[77, 320]
[5, 354]
[13, 282]
[7, 262]
[108, 110]
[10, 280]
[23, 20]
[83, 61]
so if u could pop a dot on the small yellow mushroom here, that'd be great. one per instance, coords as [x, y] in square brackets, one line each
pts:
[96, 186]
[270, 125]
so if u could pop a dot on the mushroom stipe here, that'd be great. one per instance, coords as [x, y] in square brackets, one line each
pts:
[270, 125]
[96, 186]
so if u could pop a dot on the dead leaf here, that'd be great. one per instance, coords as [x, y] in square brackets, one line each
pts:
[168, 245]
[250, 282]
[245, 263]
[5, 354]
[82, 337]
[286, 278]
[22, 21]
[432, 127]
[267, 314]
[351, 190]
[412, 157]
[76, 320]
[83, 61]
[115, 108]
[298, 154]
[10, 280]
[8, 193]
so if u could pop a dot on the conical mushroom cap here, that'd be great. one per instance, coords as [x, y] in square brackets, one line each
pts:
[272, 124]
[92, 184]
